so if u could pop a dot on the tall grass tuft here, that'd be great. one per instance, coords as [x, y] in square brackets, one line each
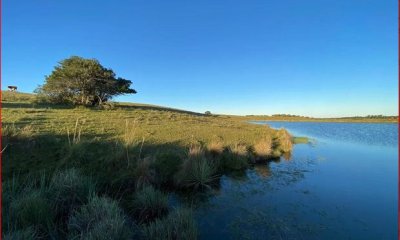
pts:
[149, 203]
[197, 173]
[144, 172]
[236, 157]
[26, 205]
[263, 148]
[179, 224]
[215, 147]
[76, 137]
[69, 190]
[100, 218]
[195, 151]
[282, 141]
[21, 234]
[165, 166]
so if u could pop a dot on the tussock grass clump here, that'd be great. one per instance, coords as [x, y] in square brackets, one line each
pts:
[32, 209]
[196, 151]
[100, 218]
[283, 141]
[144, 172]
[197, 173]
[26, 209]
[215, 147]
[263, 148]
[21, 234]
[236, 158]
[179, 224]
[69, 190]
[166, 165]
[149, 203]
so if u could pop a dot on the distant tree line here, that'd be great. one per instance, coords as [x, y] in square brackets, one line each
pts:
[373, 116]
[83, 81]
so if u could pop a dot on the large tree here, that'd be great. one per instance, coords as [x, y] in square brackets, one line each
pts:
[84, 81]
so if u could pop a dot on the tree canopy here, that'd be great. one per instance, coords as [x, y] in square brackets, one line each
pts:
[83, 81]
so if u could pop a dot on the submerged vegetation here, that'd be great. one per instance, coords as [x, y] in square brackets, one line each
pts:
[107, 174]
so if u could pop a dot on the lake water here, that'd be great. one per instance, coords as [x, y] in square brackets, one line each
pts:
[342, 186]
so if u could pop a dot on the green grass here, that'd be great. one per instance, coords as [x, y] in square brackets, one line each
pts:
[21, 234]
[149, 204]
[300, 140]
[178, 224]
[27, 208]
[69, 190]
[117, 153]
[197, 173]
[100, 218]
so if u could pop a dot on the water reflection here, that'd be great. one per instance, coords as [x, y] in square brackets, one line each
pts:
[263, 171]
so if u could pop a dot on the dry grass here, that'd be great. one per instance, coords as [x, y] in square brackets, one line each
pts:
[215, 147]
[263, 147]
[283, 140]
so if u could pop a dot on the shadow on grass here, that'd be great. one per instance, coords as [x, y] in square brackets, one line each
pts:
[35, 105]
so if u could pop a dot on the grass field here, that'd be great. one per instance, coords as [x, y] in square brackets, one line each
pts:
[108, 173]
[74, 162]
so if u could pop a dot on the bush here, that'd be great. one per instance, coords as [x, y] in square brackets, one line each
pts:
[70, 190]
[177, 225]
[101, 218]
[149, 203]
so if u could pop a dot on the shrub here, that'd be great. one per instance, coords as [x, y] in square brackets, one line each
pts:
[166, 165]
[149, 203]
[100, 218]
[177, 225]
[70, 189]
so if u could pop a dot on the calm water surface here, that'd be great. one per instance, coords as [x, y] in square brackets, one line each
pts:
[342, 186]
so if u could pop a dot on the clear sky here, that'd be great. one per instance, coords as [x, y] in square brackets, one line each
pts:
[310, 57]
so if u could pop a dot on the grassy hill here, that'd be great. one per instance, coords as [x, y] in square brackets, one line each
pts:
[64, 166]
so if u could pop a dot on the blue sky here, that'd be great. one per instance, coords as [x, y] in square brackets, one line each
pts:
[311, 57]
